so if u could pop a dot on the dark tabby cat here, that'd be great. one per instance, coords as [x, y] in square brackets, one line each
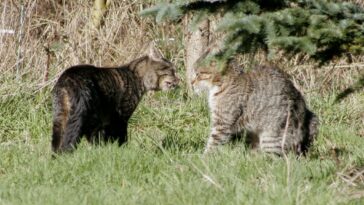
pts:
[263, 101]
[98, 102]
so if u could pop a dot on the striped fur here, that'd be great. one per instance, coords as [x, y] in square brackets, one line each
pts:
[264, 102]
[98, 102]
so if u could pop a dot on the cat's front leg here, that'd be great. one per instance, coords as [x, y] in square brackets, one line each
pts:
[220, 134]
[224, 123]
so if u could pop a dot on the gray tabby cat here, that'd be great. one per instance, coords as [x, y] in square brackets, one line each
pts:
[92, 101]
[263, 101]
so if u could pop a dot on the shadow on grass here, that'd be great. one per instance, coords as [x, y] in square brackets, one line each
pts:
[335, 153]
[175, 143]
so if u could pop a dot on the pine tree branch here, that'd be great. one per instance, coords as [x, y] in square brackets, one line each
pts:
[321, 29]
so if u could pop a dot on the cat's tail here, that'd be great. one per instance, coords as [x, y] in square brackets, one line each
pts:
[311, 127]
[61, 112]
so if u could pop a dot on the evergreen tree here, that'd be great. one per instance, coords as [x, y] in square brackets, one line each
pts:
[321, 29]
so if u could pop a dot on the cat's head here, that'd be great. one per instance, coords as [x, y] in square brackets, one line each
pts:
[158, 72]
[205, 75]
[209, 73]
[205, 80]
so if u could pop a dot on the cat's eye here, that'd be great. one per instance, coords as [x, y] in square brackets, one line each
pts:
[170, 84]
[165, 68]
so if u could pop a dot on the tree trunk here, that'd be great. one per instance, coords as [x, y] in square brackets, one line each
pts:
[99, 11]
[196, 43]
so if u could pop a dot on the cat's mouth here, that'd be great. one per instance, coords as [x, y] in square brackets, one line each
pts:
[201, 86]
[170, 84]
[196, 88]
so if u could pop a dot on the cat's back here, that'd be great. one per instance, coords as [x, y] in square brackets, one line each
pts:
[79, 71]
[265, 75]
[258, 86]
[90, 72]
[77, 76]
[87, 76]
[267, 82]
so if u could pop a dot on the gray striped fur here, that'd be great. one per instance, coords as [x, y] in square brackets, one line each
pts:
[264, 102]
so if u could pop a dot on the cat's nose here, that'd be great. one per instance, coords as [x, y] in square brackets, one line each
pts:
[172, 84]
[177, 80]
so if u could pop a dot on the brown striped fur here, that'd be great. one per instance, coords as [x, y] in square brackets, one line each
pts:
[263, 102]
[98, 102]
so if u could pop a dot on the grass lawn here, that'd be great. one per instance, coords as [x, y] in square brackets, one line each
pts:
[162, 163]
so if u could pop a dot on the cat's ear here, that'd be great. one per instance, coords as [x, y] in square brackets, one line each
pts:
[153, 53]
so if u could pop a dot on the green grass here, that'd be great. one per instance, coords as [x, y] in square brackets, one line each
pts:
[162, 163]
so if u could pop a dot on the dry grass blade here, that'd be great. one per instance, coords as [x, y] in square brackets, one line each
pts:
[353, 176]
[208, 178]
[284, 137]
[51, 36]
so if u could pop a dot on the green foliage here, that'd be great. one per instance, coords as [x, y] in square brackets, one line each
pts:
[162, 11]
[319, 28]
